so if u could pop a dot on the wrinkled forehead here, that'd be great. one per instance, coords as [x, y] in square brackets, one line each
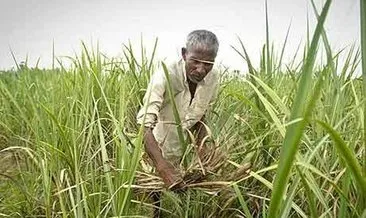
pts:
[201, 47]
[202, 52]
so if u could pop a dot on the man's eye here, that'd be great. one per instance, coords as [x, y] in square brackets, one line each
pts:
[208, 65]
[195, 61]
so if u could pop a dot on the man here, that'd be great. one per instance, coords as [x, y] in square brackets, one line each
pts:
[194, 85]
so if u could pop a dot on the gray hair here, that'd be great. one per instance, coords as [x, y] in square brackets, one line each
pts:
[202, 38]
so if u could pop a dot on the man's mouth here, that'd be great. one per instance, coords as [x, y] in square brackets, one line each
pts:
[197, 78]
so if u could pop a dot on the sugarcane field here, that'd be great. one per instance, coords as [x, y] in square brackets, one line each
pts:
[137, 135]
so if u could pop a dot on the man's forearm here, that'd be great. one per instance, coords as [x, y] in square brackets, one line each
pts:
[201, 131]
[152, 147]
[170, 176]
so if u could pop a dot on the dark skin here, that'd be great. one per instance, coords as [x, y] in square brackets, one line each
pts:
[165, 169]
[200, 132]
[198, 63]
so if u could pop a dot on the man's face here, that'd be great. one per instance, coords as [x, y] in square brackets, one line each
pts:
[198, 62]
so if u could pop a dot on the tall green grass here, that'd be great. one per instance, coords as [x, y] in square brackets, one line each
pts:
[363, 57]
[73, 125]
[301, 109]
[78, 147]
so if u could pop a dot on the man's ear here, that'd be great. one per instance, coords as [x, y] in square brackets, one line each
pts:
[184, 53]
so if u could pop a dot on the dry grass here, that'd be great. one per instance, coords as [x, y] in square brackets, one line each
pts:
[209, 174]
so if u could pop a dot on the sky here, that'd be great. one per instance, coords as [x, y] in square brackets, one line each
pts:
[30, 27]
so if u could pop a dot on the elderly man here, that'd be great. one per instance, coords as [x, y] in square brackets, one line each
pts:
[194, 85]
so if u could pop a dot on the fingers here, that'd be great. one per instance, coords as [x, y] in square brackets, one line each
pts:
[171, 177]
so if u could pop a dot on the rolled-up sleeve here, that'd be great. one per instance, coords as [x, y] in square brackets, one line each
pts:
[152, 101]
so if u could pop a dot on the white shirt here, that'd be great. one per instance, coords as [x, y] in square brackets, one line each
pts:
[159, 108]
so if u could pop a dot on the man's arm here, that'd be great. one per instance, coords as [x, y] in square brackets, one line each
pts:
[199, 127]
[201, 133]
[165, 169]
[200, 130]
[147, 117]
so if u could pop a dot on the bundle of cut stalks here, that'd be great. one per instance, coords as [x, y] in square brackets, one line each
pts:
[211, 173]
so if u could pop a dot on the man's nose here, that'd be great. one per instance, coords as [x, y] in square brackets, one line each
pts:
[201, 69]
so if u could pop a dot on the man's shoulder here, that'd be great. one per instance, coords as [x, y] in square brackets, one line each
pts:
[174, 66]
[213, 77]
[174, 69]
[171, 66]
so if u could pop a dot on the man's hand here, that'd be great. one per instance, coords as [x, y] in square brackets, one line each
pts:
[172, 179]
[166, 170]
